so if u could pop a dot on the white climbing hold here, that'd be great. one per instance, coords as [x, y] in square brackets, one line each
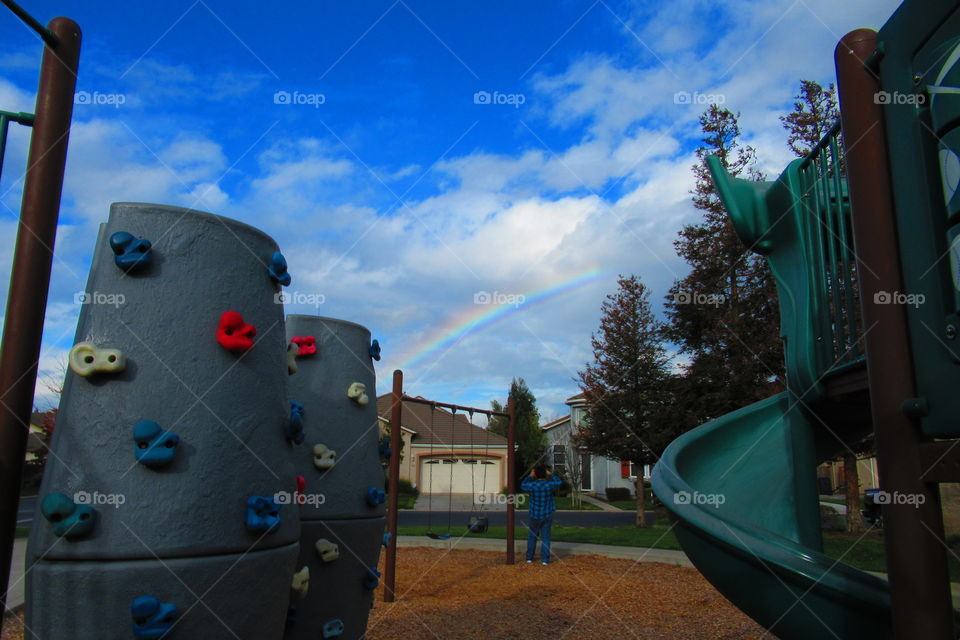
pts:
[358, 393]
[87, 359]
[291, 359]
[328, 551]
[323, 458]
[301, 583]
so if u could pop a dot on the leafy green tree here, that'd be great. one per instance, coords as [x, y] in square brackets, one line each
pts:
[626, 386]
[530, 439]
[723, 314]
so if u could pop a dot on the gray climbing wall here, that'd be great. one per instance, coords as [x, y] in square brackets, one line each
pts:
[338, 501]
[178, 533]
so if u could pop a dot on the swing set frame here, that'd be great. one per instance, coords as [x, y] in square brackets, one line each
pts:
[396, 417]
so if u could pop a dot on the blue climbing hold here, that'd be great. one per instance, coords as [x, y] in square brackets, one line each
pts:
[375, 496]
[371, 579]
[152, 619]
[278, 269]
[263, 514]
[153, 446]
[375, 350]
[386, 539]
[69, 519]
[294, 429]
[333, 628]
[130, 252]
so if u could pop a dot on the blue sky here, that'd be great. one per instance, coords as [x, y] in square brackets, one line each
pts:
[408, 156]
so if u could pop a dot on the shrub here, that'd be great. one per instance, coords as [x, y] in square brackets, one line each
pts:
[404, 488]
[618, 493]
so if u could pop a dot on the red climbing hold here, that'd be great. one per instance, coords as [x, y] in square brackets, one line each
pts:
[306, 345]
[234, 334]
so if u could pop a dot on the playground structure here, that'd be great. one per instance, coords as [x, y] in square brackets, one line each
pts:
[861, 239]
[33, 256]
[342, 503]
[476, 524]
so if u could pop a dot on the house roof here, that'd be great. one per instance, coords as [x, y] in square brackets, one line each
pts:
[579, 398]
[441, 428]
[555, 423]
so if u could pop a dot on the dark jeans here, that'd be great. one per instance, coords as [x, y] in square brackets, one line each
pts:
[539, 529]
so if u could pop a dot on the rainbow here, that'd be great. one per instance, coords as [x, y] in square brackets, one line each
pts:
[478, 317]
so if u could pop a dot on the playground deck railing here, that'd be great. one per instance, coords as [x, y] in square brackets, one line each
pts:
[801, 223]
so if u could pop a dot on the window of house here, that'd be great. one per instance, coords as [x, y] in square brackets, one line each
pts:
[449, 461]
[559, 458]
[634, 467]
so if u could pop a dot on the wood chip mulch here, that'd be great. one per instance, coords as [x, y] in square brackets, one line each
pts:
[472, 594]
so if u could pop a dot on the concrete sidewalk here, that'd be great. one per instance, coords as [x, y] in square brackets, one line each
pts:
[604, 506]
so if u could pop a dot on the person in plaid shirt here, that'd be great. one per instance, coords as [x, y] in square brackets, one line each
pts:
[540, 484]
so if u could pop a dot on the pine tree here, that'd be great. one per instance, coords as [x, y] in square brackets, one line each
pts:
[723, 315]
[815, 110]
[626, 385]
[530, 439]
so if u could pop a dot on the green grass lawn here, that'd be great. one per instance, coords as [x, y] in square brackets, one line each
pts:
[565, 503]
[865, 553]
[630, 505]
[834, 499]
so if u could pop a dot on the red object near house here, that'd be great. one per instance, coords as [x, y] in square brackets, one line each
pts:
[624, 468]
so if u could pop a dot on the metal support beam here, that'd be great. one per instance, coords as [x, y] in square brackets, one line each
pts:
[511, 478]
[396, 417]
[916, 555]
[30, 275]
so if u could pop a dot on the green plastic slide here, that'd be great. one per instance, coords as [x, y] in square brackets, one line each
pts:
[742, 490]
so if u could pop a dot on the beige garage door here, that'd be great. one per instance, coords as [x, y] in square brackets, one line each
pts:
[459, 475]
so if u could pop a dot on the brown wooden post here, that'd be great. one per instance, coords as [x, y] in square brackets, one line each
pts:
[396, 416]
[511, 478]
[916, 556]
[30, 275]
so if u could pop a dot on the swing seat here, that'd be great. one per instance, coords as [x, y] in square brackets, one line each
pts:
[439, 536]
[478, 524]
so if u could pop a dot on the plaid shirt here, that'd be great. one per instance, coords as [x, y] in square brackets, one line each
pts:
[541, 496]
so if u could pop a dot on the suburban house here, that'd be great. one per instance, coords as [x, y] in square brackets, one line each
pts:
[596, 472]
[443, 452]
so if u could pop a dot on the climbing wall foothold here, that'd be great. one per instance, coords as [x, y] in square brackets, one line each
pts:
[371, 579]
[301, 583]
[327, 550]
[323, 458]
[153, 446]
[306, 345]
[152, 619]
[69, 519]
[386, 539]
[278, 269]
[234, 334]
[291, 359]
[263, 514]
[374, 496]
[294, 429]
[130, 252]
[87, 359]
[333, 628]
[358, 393]
[375, 350]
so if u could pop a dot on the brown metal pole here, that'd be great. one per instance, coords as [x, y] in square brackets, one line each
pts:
[30, 275]
[396, 416]
[916, 556]
[511, 478]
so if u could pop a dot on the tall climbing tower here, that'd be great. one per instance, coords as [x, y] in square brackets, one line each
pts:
[158, 509]
[337, 460]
